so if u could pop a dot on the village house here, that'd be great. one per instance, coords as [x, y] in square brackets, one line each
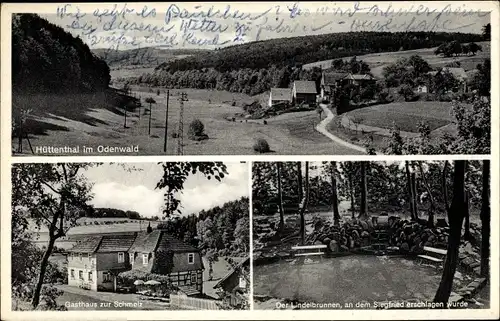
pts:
[280, 96]
[304, 92]
[359, 79]
[330, 82]
[159, 253]
[94, 262]
[459, 74]
[232, 286]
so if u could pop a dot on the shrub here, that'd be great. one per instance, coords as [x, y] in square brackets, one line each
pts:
[261, 146]
[196, 128]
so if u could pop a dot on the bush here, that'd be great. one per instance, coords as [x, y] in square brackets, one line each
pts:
[261, 146]
[196, 128]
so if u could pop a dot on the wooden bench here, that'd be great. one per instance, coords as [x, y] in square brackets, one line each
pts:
[320, 250]
[433, 254]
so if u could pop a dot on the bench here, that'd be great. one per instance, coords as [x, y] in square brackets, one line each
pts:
[320, 250]
[433, 254]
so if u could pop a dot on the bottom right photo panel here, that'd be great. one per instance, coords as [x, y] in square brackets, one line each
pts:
[371, 234]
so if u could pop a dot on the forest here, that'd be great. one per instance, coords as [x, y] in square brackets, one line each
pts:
[438, 204]
[256, 67]
[47, 59]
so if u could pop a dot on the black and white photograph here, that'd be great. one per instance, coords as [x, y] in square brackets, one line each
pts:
[371, 235]
[130, 236]
[236, 79]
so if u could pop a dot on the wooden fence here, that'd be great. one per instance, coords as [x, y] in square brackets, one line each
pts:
[184, 302]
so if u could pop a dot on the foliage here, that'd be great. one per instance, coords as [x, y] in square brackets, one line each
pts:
[474, 127]
[196, 128]
[410, 71]
[486, 32]
[47, 59]
[261, 146]
[482, 80]
[406, 91]
[176, 173]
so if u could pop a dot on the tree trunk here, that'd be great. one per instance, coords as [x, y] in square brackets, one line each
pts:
[299, 181]
[414, 194]
[281, 226]
[303, 206]
[467, 235]
[432, 207]
[445, 185]
[150, 115]
[410, 190]
[485, 221]
[351, 193]
[363, 212]
[456, 215]
[43, 268]
[335, 202]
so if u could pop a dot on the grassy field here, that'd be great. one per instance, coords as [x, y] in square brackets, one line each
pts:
[286, 134]
[406, 115]
[377, 61]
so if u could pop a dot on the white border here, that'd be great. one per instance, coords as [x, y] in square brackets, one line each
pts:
[6, 160]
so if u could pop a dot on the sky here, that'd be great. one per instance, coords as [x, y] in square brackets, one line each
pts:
[187, 26]
[115, 187]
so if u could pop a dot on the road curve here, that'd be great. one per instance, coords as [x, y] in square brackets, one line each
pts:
[321, 127]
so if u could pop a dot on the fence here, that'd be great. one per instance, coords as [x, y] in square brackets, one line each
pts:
[184, 302]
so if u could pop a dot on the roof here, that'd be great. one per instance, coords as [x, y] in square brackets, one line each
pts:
[104, 243]
[221, 282]
[305, 87]
[160, 239]
[458, 73]
[331, 77]
[359, 77]
[281, 94]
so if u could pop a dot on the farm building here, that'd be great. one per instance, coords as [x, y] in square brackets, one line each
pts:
[421, 89]
[359, 79]
[304, 92]
[94, 262]
[232, 286]
[159, 253]
[330, 81]
[280, 96]
[459, 74]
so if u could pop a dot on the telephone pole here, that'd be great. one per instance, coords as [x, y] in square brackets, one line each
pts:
[166, 123]
[180, 130]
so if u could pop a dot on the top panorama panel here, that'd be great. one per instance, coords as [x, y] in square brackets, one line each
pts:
[251, 79]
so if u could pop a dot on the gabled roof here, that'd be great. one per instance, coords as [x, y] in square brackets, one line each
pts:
[457, 72]
[105, 243]
[359, 77]
[160, 240]
[281, 94]
[305, 87]
[237, 267]
[330, 78]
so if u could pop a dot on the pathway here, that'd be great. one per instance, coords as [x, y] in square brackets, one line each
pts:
[321, 127]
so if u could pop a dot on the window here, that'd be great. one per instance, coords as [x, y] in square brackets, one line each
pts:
[90, 276]
[80, 275]
[121, 257]
[145, 259]
[106, 277]
[131, 258]
[72, 273]
[191, 258]
[193, 277]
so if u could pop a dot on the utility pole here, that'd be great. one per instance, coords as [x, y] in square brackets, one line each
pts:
[180, 130]
[166, 123]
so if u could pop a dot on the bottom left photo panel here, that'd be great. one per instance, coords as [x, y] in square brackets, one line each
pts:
[130, 236]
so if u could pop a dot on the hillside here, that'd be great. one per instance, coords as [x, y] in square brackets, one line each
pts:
[296, 51]
[143, 57]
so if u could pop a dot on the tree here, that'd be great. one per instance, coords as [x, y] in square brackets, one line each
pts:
[420, 65]
[482, 80]
[406, 91]
[176, 173]
[150, 101]
[281, 226]
[196, 128]
[53, 195]
[485, 221]
[335, 202]
[474, 127]
[456, 215]
[486, 32]
[211, 256]
[411, 196]
[432, 206]
[363, 211]
[303, 205]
